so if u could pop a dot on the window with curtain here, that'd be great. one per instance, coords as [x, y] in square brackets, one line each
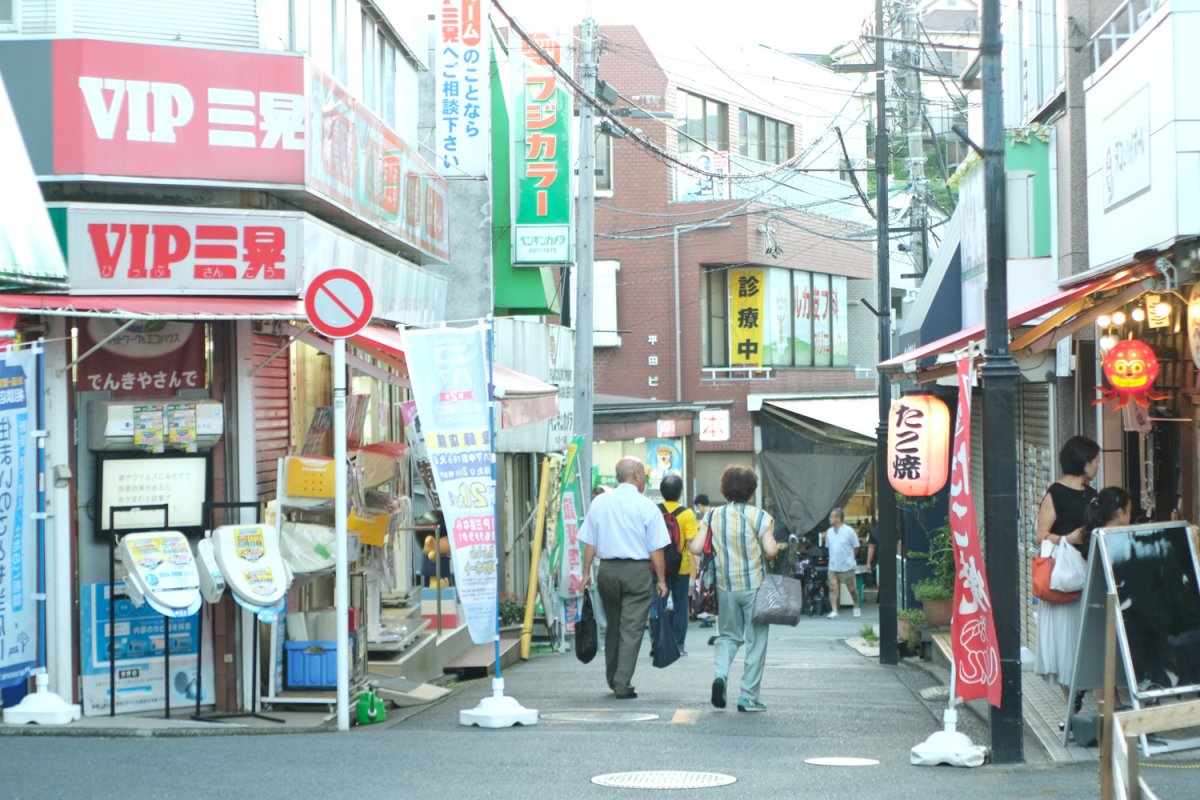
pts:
[764, 138]
[704, 124]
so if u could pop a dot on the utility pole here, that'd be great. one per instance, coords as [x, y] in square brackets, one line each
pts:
[1000, 412]
[886, 498]
[584, 247]
[889, 651]
[914, 118]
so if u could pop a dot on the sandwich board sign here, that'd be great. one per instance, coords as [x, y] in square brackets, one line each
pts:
[1153, 570]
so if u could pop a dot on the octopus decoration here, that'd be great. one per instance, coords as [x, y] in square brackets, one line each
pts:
[1131, 368]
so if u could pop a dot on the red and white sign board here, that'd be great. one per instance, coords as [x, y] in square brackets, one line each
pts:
[124, 250]
[714, 425]
[338, 303]
[665, 428]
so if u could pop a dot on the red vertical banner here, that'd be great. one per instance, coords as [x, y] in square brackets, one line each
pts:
[973, 631]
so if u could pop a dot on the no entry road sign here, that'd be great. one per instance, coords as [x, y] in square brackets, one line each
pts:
[339, 303]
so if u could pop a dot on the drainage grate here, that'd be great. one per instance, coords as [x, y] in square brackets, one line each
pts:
[936, 694]
[842, 761]
[597, 716]
[663, 779]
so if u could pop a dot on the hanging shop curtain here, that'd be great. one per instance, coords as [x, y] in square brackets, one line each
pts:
[810, 467]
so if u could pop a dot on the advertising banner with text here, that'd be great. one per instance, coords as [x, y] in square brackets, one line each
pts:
[450, 383]
[18, 532]
[462, 88]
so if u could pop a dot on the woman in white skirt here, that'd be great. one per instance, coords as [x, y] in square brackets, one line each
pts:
[1061, 518]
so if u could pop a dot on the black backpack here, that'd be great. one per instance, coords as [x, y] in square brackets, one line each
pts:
[673, 553]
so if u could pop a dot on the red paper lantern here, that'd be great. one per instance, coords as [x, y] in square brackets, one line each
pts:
[918, 446]
[1131, 369]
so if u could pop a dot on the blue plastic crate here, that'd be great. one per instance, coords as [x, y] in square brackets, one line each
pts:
[311, 665]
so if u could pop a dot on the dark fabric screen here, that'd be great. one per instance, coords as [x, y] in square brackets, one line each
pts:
[808, 472]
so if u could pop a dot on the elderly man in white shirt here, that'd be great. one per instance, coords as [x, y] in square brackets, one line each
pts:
[625, 530]
[842, 541]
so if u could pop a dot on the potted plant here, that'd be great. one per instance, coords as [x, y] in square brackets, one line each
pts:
[512, 610]
[936, 592]
[908, 627]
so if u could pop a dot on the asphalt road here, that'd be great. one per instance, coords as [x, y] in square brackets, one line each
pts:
[824, 699]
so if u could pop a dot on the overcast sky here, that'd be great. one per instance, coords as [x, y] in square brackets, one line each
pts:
[802, 26]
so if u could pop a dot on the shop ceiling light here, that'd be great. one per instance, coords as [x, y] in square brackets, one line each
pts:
[1163, 309]
[1118, 318]
[1104, 320]
[1138, 314]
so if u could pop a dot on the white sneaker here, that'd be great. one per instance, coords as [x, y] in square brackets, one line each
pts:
[832, 615]
[858, 612]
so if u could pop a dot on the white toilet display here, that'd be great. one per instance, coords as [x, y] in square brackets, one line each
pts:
[212, 583]
[161, 572]
[251, 563]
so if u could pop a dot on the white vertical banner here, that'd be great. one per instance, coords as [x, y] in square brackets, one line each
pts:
[18, 503]
[449, 371]
[462, 85]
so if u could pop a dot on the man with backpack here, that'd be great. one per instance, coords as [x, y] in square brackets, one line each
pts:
[680, 567]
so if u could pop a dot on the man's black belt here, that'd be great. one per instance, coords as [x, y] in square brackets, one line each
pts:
[624, 559]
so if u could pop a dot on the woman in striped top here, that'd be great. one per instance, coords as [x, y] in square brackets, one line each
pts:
[742, 542]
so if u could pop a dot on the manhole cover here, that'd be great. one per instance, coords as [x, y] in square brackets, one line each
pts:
[663, 779]
[598, 716]
[841, 761]
[936, 694]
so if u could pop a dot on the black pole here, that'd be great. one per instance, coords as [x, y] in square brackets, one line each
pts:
[999, 412]
[885, 497]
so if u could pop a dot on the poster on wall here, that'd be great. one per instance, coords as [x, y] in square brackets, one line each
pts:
[822, 309]
[138, 640]
[148, 358]
[663, 457]
[693, 187]
[777, 330]
[802, 297]
[840, 322]
[450, 383]
[747, 292]
[18, 503]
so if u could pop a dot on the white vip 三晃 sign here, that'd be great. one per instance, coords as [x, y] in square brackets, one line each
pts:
[146, 250]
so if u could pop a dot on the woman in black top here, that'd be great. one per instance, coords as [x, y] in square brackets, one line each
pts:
[1062, 518]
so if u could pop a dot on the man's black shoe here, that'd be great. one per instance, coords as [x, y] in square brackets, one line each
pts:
[718, 693]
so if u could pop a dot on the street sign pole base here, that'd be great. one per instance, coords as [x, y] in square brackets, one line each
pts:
[948, 746]
[498, 711]
[43, 707]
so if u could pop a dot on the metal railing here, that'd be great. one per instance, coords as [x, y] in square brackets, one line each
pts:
[1120, 28]
[737, 373]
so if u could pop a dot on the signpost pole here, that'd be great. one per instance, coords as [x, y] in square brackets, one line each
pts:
[342, 579]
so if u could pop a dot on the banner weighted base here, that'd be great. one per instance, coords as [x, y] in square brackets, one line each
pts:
[948, 746]
[498, 711]
[43, 707]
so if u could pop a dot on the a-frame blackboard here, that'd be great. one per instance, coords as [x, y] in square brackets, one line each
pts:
[1153, 570]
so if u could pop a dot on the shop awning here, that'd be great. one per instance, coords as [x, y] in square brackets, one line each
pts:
[524, 400]
[857, 415]
[1069, 310]
[155, 307]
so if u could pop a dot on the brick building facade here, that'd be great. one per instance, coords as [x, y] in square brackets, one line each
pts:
[782, 221]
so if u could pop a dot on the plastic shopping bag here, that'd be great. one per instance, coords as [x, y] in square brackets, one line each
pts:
[1070, 570]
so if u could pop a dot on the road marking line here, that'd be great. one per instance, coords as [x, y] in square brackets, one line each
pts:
[685, 716]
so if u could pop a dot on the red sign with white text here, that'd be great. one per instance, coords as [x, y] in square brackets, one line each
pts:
[153, 250]
[973, 630]
[158, 111]
[149, 358]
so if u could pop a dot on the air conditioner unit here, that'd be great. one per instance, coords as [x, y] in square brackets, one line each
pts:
[110, 422]
[863, 373]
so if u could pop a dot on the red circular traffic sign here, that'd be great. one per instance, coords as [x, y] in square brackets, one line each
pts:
[339, 303]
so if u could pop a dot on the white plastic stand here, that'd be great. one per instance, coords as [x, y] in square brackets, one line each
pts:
[43, 707]
[948, 746]
[498, 711]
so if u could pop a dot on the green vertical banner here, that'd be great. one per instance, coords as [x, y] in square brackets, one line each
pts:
[543, 207]
[568, 555]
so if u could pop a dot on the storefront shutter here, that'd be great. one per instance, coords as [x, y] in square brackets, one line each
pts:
[1037, 470]
[272, 407]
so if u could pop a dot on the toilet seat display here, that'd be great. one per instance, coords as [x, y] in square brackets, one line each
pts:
[161, 572]
[212, 583]
[250, 560]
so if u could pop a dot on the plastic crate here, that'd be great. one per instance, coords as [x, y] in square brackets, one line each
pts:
[311, 665]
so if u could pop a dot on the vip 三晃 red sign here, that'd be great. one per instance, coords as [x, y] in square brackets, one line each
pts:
[116, 249]
[177, 112]
[148, 358]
